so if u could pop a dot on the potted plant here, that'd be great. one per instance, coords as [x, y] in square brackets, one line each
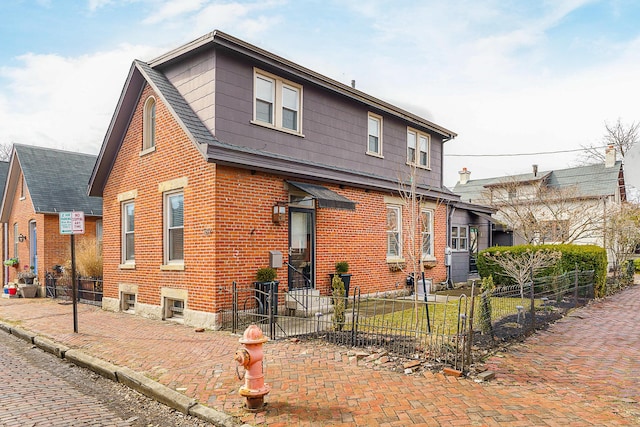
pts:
[27, 275]
[11, 262]
[265, 282]
[342, 268]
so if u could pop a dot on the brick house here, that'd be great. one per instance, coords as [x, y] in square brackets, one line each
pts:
[40, 183]
[4, 168]
[220, 156]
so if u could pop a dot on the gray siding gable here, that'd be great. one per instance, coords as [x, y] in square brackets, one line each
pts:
[208, 87]
[176, 102]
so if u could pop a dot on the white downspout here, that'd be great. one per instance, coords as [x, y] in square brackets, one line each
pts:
[5, 251]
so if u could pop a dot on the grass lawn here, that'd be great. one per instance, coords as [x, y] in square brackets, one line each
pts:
[376, 315]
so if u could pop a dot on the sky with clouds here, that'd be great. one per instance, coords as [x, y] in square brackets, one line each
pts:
[511, 77]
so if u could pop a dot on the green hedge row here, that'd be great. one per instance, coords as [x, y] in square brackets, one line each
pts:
[585, 257]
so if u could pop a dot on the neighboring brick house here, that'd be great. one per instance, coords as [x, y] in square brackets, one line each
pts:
[4, 169]
[211, 139]
[41, 183]
[557, 206]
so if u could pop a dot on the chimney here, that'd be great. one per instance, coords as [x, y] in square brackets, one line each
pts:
[353, 84]
[535, 170]
[464, 176]
[609, 157]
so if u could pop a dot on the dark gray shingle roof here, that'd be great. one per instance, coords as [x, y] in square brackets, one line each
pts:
[4, 171]
[178, 104]
[57, 180]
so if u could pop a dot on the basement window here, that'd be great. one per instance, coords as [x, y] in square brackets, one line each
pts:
[128, 303]
[174, 309]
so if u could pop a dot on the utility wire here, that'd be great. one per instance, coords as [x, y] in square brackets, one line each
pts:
[523, 154]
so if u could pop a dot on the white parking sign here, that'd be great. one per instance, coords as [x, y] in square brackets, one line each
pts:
[71, 222]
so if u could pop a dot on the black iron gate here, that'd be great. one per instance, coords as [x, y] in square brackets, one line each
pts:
[293, 313]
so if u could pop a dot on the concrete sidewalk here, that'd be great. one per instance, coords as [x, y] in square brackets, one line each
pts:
[583, 371]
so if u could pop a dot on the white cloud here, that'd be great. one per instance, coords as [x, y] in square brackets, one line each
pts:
[62, 102]
[173, 9]
[97, 4]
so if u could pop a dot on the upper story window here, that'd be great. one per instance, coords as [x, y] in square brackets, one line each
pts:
[426, 220]
[22, 195]
[394, 231]
[174, 228]
[128, 253]
[277, 102]
[418, 148]
[374, 142]
[459, 238]
[149, 124]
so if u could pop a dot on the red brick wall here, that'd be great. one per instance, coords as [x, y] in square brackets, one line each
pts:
[244, 202]
[175, 156]
[228, 224]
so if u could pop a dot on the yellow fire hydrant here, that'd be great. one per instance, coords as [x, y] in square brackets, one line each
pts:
[250, 357]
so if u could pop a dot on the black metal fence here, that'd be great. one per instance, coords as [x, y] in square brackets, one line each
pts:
[440, 329]
[89, 289]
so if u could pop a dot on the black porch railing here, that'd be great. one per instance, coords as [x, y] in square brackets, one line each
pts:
[89, 289]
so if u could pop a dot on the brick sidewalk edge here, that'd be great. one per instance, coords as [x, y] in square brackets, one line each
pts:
[127, 377]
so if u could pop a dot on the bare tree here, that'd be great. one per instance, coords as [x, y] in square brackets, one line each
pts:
[619, 135]
[542, 214]
[5, 151]
[411, 201]
[622, 234]
[523, 266]
[414, 246]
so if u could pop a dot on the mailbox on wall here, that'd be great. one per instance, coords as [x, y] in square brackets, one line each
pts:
[275, 259]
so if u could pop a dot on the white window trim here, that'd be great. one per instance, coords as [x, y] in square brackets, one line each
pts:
[125, 263]
[379, 119]
[176, 264]
[430, 256]
[277, 103]
[398, 257]
[22, 186]
[148, 137]
[466, 238]
[416, 155]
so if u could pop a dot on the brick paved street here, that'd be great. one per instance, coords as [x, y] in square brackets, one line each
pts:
[583, 371]
[31, 396]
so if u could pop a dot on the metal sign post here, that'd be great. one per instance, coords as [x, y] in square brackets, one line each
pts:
[72, 223]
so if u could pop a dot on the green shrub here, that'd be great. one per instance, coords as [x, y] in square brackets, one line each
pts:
[636, 264]
[339, 302]
[582, 257]
[342, 267]
[266, 274]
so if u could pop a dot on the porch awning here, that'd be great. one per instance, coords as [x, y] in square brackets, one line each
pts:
[485, 216]
[326, 198]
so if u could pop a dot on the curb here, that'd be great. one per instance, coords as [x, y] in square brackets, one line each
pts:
[155, 390]
[127, 377]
